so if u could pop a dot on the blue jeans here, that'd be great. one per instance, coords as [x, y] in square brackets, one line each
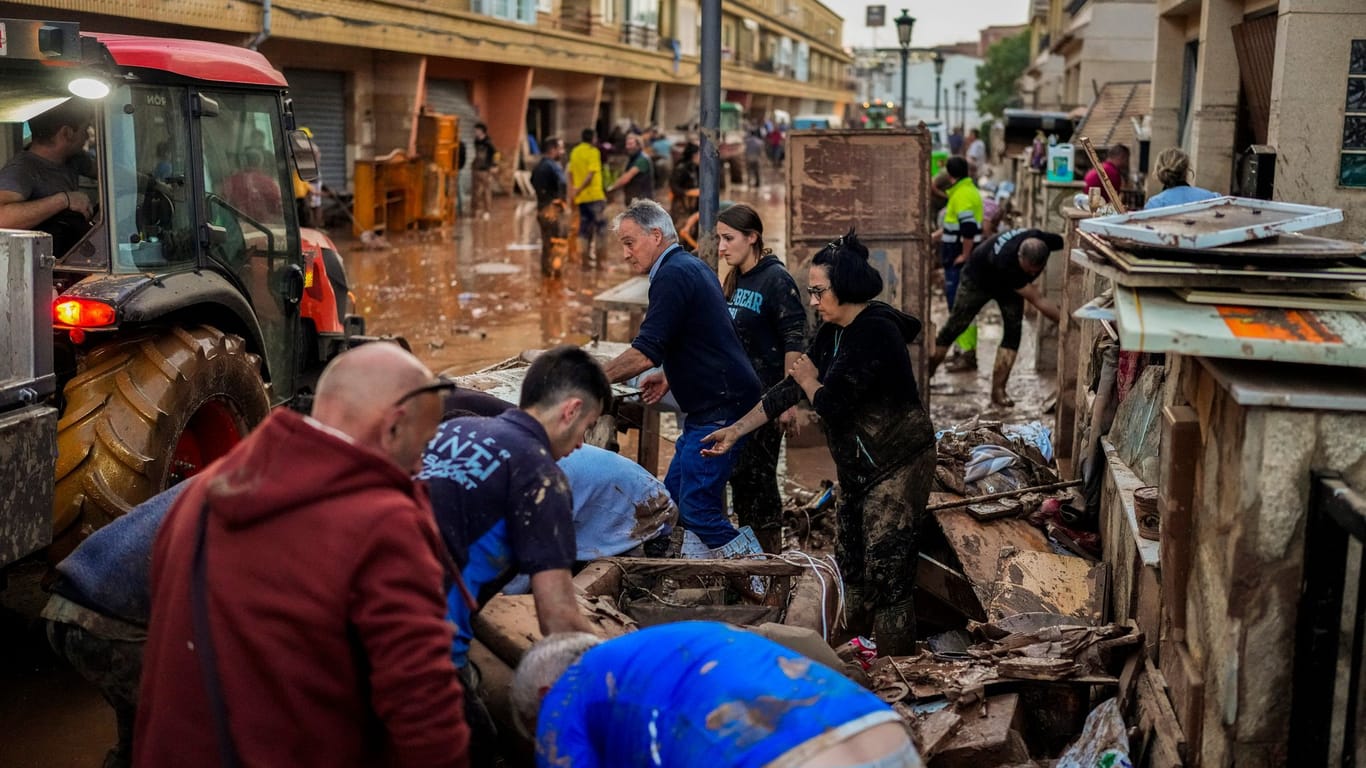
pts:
[697, 484]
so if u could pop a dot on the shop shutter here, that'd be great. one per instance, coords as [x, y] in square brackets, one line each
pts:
[320, 105]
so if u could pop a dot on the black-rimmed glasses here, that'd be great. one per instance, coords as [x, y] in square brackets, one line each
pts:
[442, 384]
[817, 291]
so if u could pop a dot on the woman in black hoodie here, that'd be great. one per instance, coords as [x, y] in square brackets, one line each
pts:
[857, 375]
[767, 311]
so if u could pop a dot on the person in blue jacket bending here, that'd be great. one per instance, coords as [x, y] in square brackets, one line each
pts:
[698, 694]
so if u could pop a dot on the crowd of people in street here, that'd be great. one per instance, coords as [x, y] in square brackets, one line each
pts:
[329, 568]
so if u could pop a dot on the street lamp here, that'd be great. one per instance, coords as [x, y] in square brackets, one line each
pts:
[938, 72]
[960, 92]
[904, 22]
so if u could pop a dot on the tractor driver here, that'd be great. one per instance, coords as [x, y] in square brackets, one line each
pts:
[39, 187]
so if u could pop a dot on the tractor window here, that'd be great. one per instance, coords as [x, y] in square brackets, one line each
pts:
[148, 162]
[247, 191]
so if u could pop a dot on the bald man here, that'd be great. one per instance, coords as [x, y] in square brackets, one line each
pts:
[298, 590]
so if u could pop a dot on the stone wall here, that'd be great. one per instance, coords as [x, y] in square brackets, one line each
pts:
[1251, 498]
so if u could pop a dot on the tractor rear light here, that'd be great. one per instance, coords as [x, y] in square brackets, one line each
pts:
[82, 313]
[313, 279]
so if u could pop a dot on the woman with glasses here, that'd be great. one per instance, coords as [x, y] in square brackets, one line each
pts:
[768, 315]
[857, 375]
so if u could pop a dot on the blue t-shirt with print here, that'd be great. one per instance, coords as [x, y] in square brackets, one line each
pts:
[699, 694]
[502, 506]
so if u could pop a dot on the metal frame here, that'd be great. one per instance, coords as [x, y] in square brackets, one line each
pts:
[1163, 226]
[1337, 514]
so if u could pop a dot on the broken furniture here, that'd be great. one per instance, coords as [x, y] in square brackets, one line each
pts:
[631, 296]
[1251, 597]
[503, 380]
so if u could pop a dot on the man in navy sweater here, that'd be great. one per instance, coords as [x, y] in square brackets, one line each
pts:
[687, 330]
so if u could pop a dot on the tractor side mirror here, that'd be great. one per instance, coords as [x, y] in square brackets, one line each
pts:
[204, 106]
[305, 155]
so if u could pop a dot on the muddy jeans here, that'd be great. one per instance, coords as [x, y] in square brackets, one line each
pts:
[114, 667]
[754, 487]
[971, 298]
[554, 230]
[877, 549]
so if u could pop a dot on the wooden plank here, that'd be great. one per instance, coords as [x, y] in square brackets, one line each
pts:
[1069, 350]
[1042, 582]
[1343, 301]
[1187, 687]
[978, 545]
[949, 587]
[647, 450]
[1155, 715]
[990, 739]
[1179, 455]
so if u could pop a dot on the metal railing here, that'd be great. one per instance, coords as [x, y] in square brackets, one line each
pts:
[1325, 722]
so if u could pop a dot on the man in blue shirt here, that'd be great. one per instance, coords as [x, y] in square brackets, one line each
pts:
[698, 694]
[687, 330]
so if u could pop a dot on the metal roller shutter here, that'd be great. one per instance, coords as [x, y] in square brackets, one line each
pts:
[452, 97]
[320, 105]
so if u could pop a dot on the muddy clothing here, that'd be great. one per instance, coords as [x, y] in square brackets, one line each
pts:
[971, 299]
[325, 584]
[729, 697]
[549, 181]
[642, 185]
[485, 155]
[502, 505]
[995, 264]
[869, 403]
[114, 667]
[993, 273]
[768, 314]
[883, 445]
[552, 214]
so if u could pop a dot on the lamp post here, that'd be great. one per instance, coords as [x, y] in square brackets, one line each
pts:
[960, 91]
[938, 72]
[904, 23]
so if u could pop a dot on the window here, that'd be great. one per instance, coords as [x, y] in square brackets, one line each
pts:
[148, 149]
[248, 189]
[520, 11]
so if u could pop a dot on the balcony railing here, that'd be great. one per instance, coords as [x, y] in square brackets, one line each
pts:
[640, 35]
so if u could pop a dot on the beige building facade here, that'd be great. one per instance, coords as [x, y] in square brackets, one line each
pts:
[1077, 46]
[364, 71]
[1288, 75]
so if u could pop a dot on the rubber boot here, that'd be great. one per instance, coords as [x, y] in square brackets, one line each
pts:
[963, 363]
[1000, 374]
[770, 539]
[894, 629]
[936, 357]
[856, 618]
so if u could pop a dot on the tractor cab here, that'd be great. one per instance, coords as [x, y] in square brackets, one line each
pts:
[187, 301]
[188, 164]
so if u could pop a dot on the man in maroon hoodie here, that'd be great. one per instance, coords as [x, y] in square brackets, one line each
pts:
[297, 591]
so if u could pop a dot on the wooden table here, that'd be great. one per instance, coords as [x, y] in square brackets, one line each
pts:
[631, 296]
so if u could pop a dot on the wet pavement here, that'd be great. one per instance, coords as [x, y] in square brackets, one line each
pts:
[465, 298]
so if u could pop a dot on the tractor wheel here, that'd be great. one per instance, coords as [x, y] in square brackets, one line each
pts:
[144, 413]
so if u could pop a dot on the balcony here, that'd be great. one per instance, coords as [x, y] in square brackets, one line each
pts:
[640, 35]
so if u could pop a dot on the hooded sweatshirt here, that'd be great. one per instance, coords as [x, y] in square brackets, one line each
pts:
[768, 315]
[868, 402]
[326, 610]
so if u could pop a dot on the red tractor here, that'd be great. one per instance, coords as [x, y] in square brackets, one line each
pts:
[190, 301]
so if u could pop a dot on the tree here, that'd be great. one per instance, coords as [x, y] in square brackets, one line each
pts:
[1005, 62]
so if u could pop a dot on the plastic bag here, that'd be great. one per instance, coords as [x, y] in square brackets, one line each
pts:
[1104, 742]
[987, 460]
[1033, 433]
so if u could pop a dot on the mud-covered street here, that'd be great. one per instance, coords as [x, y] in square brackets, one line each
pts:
[464, 298]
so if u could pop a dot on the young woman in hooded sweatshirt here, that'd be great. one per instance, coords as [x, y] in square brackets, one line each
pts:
[767, 311]
[857, 375]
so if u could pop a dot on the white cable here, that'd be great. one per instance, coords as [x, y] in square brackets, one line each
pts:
[820, 567]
